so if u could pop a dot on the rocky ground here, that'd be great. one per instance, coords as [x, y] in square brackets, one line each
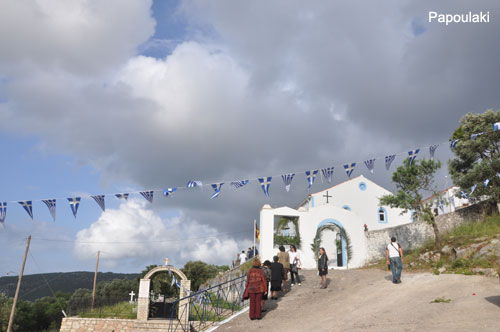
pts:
[367, 300]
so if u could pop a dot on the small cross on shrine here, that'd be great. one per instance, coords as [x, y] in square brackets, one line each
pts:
[131, 296]
[327, 196]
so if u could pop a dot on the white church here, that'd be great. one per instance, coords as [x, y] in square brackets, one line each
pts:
[352, 205]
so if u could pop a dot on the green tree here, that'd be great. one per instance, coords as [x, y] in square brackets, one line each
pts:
[412, 181]
[199, 272]
[5, 305]
[477, 159]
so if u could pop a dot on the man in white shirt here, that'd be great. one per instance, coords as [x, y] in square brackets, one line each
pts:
[243, 257]
[394, 256]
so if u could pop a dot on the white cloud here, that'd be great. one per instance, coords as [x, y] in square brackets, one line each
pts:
[134, 232]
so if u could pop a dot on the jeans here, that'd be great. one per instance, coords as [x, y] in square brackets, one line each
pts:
[396, 267]
[294, 273]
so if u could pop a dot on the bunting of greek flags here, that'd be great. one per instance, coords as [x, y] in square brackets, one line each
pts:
[496, 126]
[412, 155]
[99, 199]
[463, 193]
[239, 184]
[349, 168]
[441, 206]
[486, 182]
[122, 196]
[51, 205]
[28, 207]
[169, 191]
[3, 211]
[370, 164]
[432, 150]
[74, 203]
[148, 195]
[472, 189]
[474, 136]
[287, 180]
[311, 175]
[264, 183]
[452, 200]
[453, 143]
[216, 187]
[194, 184]
[328, 173]
[388, 161]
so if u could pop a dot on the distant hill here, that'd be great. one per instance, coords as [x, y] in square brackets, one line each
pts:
[34, 286]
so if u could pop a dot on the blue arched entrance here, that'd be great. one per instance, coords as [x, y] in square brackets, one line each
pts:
[344, 244]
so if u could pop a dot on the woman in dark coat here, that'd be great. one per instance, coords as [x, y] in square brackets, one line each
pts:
[323, 266]
[257, 287]
[277, 275]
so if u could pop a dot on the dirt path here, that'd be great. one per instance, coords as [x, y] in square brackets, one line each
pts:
[367, 300]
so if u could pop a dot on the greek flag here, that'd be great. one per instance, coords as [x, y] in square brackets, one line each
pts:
[148, 195]
[122, 196]
[287, 180]
[496, 126]
[472, 189]
[474, 136]
[28, 207]
[169, 191]
[432, 150]
[3, 211]
[370, 164]
[328, 173]
[452, 200]
[311, 175]
[99, 199]
[349, 168]
[453, 143]
[174, 281]
[216, 187]
[440, 205]
[412, 155]
[51, 205]
[264, 183]
[239, 184]
[389, 160]
[498, 174]
[194, 184]
[74, 203]
[486, 182]
[463, 193]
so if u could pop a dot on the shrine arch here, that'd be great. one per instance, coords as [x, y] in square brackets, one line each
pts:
[334, 225]
[165, 268]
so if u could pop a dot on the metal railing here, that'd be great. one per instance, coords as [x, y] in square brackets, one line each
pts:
[208, 307]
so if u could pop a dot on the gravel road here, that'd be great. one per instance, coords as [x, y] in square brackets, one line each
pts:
[367, 300]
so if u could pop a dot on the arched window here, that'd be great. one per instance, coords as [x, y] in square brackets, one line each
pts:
[382, 216]
[347, 207]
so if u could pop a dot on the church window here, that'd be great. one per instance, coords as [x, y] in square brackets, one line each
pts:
[347, 207]
[382, 215]
[362, 186]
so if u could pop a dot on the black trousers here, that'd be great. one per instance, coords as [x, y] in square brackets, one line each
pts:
[294, 274]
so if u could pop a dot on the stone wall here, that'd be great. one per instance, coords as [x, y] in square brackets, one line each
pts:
[414, 235]
[74, 324]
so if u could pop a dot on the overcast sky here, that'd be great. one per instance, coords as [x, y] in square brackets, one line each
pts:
[100, 97]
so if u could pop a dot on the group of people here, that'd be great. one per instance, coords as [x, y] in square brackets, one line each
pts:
[270, 278]
[242, 257]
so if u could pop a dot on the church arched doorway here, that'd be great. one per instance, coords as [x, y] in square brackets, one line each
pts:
[331, 235]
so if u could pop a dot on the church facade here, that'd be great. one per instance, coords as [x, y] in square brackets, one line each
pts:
[351, 208]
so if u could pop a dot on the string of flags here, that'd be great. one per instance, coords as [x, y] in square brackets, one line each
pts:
[265, 182]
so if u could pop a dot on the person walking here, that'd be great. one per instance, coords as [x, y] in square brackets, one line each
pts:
[294, 264]
[284, 259]
[277, 275]
[266, 267]
[243, 257]
[257, 287]
[323, 266]
[394, 257]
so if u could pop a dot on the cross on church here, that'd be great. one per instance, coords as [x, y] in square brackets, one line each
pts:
[327, 196]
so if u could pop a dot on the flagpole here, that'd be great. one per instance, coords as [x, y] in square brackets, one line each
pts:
[254, 229]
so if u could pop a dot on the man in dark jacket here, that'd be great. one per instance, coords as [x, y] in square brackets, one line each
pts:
[277, 275]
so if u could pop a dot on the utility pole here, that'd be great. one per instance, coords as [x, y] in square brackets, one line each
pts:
[95, 279]
[13, 310]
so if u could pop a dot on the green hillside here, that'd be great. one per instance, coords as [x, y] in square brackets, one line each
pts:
[34, 286]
